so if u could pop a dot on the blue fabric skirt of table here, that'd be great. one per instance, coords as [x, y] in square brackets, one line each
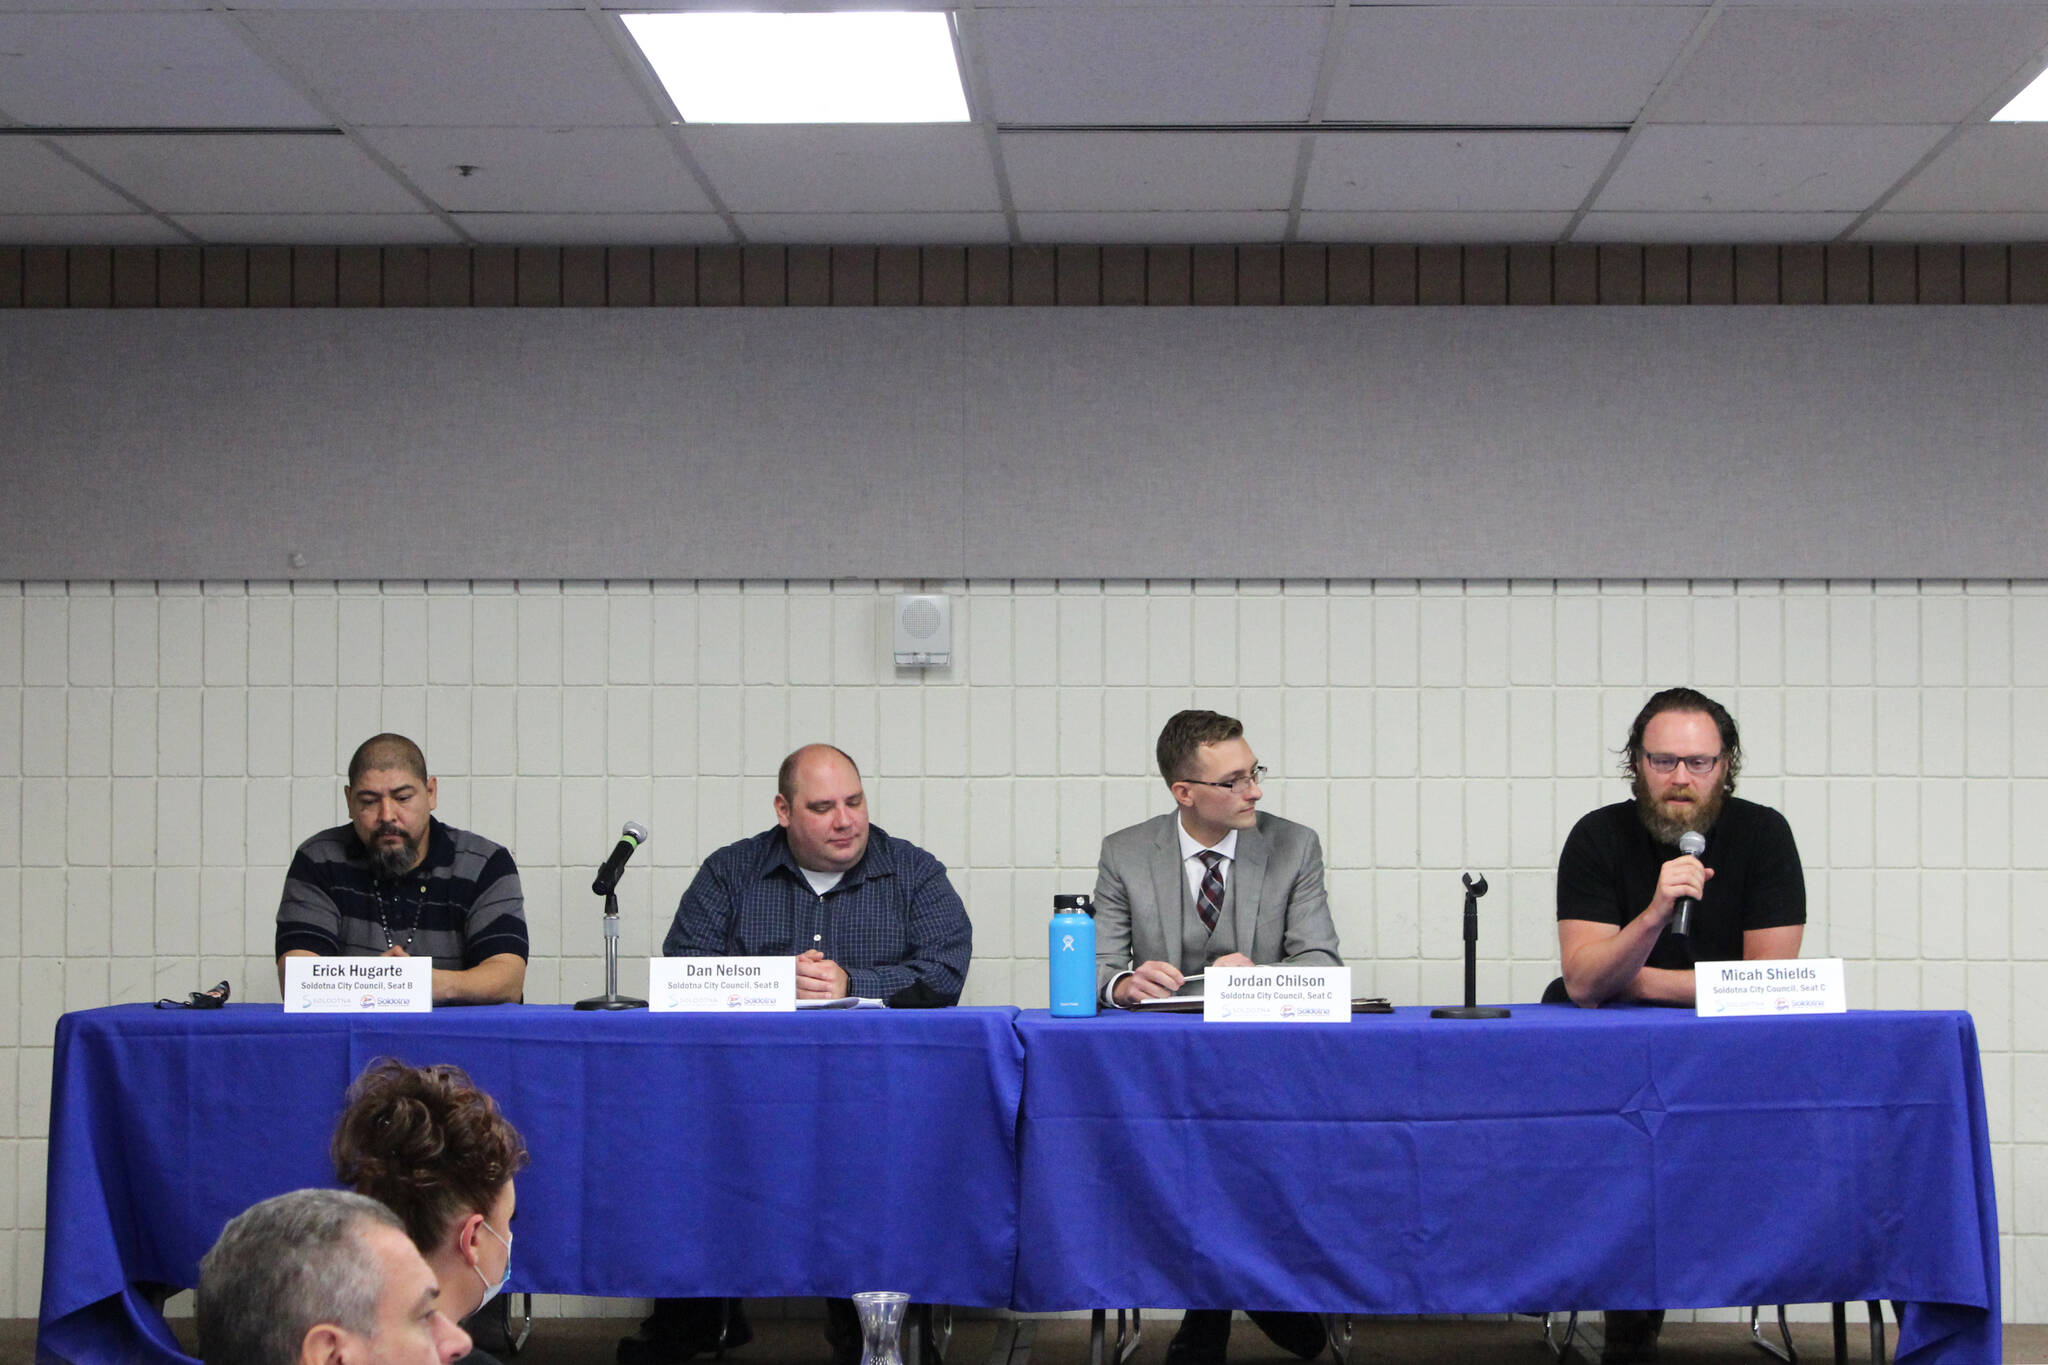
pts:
[1393, 1164]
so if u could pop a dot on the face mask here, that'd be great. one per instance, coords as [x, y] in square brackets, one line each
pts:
[491, 1291]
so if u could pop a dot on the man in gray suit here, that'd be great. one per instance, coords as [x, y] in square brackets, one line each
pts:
[1215, 882]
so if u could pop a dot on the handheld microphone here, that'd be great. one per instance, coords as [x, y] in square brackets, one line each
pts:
[1695, 843]
[630, 838]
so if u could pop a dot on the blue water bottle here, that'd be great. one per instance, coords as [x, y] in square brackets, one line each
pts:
[1072, 946]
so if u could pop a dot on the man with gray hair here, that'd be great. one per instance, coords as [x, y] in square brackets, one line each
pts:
[321, 1277]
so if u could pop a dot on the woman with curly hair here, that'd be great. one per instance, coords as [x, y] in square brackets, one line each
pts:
[431, 1147]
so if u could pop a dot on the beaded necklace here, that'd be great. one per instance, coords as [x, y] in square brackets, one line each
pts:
[419, 911]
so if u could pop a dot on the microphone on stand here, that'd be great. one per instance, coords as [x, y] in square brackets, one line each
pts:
[606, 885]
[630, 838]
[1475, 887]
[1694, 843]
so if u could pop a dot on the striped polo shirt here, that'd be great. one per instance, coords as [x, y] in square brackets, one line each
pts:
[462, 904]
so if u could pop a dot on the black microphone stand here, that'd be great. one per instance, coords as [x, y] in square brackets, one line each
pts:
[611, 999]
[1475, 887]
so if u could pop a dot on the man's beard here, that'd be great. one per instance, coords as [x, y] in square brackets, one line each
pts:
[1666, 829]
[393, 860]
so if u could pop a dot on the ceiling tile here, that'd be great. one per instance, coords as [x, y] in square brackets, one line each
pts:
[319, 229]
[2001, 167]
[1492, 172]
[238, 174]
[1954, 227]
[544, 170]
[1528, 65]
[403, 4]
[1150, 171]
[34, 179]
[1712, 227]
[80, 6]
[874, 229]
[139, 70]
[86, 229]
[1838, 4]
[847, 168]
[1173, 228]
[1869, 63]
[1184, 64]
[1772, 169]
[1433, 227]
[699, 6]
[1071, 5]
[596, 229]
[460, 68]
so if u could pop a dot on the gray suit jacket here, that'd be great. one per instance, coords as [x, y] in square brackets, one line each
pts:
[1279, 911]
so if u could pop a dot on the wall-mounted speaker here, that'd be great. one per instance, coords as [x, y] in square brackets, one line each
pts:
[924, 630]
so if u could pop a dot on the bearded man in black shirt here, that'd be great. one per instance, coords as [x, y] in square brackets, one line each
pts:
[1622, 875]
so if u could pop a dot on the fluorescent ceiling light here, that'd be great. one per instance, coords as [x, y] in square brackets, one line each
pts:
[2029, 106]
[805, 68]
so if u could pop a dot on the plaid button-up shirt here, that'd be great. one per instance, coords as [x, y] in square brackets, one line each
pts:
[894, 923]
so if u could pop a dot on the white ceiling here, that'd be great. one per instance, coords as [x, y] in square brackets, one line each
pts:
[511, 121]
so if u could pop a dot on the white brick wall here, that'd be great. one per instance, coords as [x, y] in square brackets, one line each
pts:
[163, 747]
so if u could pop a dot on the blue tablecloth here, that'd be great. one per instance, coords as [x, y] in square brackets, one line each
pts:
[793, 1154]
[1620, 1158]
[1610, 1159]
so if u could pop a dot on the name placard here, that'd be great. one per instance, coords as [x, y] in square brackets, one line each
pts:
[721, 985]
[358, 985]
[1293, 995]
[1811, 985]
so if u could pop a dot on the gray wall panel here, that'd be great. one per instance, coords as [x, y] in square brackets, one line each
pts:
[943, 443]
[402, 444]
[1542, 443]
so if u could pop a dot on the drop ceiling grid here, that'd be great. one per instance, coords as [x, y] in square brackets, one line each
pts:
[570, 145]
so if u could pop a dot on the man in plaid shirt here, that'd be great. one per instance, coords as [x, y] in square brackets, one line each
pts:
[863, 913]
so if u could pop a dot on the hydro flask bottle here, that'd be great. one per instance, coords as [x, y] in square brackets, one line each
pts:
[1072, 951]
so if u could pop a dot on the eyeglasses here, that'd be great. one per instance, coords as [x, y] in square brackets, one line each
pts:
[1699, 765]
[1240, 785]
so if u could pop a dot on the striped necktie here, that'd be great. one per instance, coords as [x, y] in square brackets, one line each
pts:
[1209, 900]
